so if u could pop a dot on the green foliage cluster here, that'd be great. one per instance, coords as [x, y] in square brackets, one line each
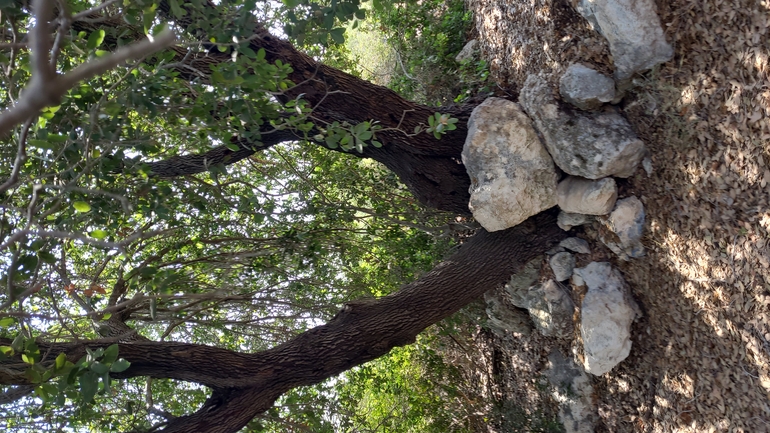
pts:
[427, 35]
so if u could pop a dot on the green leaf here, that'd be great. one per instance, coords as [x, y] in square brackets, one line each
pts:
[338, 35]
[6, 322]
[95, 39]
[99, 368]
[81, 206]
[110, 354]
[47, 257]
[233, 147]
[7, 350]
[89, 384]
[175, 9]
[119, 366]
[28, 359]
[61, 361]
[99, 234]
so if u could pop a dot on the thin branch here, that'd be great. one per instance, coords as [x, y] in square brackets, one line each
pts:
[85, 14]
[42, 92]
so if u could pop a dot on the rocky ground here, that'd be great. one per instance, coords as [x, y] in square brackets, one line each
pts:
[700, 360]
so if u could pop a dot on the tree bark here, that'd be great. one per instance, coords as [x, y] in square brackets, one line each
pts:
[245, 385]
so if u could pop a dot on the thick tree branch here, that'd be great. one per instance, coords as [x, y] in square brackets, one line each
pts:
[247, 384]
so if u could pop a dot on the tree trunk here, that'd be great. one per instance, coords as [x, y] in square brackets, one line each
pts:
[245, 385]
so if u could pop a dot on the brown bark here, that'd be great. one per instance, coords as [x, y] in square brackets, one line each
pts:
[245, 385]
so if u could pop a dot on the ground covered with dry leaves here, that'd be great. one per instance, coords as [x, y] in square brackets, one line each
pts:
[700, 360]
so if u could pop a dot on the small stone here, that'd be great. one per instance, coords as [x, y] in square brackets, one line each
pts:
[468, 52]
[606, 315]
[567, 220]
[576, 244]
[588, 197]
[512, 175]
[647, 165]
[577, 280]
[562, 265]
[627, 223]
[592, 145]
[585, 88]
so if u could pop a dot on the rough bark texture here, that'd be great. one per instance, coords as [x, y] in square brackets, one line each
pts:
[245, 384]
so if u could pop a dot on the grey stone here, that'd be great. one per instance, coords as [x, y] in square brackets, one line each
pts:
[468, 52]
[567, 220]
[585, 88]
[576, 244]
[647, 165]
[549, 307]
[524, 279]
[606, 315]
[562, 265]
[633, 30]
[626, 223]
[592, 145]
[503, 319]
[572, 389]
[552, 312]
[512, 174]
[585, 196]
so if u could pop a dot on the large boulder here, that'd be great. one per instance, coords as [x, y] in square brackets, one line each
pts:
[512, 174]
[592, 145]
[585, 196]
[626, 225]
[633, 30]
[606, 315]
[585, 88]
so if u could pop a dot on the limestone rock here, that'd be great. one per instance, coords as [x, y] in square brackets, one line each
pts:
[468, 52]
[549, 307]
[567, 220]
[606, 315]
[512, 174]
[525, 278]
[573, 391]
[585, 88]
[562, 265]
[585, 196]
[586, 144]
[576, 244]
[627, 225]
[633, 30]
[504, 319]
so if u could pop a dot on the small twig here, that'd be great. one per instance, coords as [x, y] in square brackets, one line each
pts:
[84, 14]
